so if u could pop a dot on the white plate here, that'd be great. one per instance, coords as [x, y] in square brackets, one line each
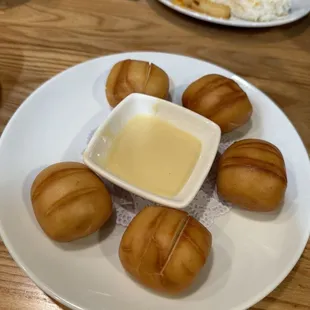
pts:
[252, 252]
[300, 8]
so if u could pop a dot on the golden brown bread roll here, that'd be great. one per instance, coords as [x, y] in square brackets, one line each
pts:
[164, 248]
[211, 8]
[219, 99]
[135, 76]
[70, 201]
[252, 175]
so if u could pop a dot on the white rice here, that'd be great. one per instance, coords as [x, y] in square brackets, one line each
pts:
[258, 10]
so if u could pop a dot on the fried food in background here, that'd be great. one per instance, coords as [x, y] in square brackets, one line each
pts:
[207, 7]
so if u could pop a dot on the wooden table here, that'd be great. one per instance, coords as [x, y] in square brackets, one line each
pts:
[43, 37]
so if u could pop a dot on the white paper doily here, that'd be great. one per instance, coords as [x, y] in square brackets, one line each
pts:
[205, 207]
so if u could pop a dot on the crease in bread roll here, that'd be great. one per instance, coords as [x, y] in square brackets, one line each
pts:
[38, 186]
[70, 201]
[219, 99]
[175, 242]
[235, 161]
[62, 202]
[164, 248]
[136, 76]
[157, 222]
[252, 175]
[147, 76]
[258, 143]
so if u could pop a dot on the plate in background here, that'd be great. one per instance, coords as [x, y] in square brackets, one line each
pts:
[252, 252]
[300, 8]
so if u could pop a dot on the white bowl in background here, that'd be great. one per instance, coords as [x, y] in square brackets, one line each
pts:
[200, 127]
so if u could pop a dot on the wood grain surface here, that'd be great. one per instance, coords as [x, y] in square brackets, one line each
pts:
[40, 38]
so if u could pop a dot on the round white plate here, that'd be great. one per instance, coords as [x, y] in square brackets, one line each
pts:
[300, 8]
[252, 252]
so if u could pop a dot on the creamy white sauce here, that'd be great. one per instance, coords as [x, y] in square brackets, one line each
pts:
[153, 155]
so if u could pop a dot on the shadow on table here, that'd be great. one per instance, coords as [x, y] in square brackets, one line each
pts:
[10, 71]
[296, 29]
[58, 304]
[1, 99]
[7, 4]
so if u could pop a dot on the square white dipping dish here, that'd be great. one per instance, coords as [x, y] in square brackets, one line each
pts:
[198, 126]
